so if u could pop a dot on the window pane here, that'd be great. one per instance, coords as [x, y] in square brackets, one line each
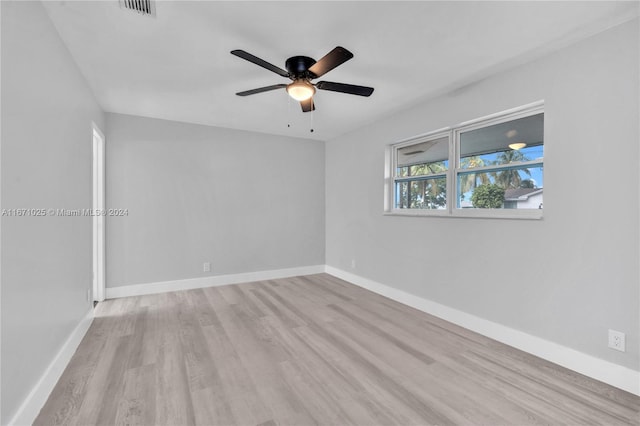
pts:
[506, 187]
[423, 158]
[422, 194]
[505, 143]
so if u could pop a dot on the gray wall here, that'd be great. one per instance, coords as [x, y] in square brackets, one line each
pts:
[566, 278]
[47, 110]
[243, 201]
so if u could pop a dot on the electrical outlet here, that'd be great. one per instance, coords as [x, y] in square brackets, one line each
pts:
[206, 266]
[88, 295]
[353, 264]
[617, 340]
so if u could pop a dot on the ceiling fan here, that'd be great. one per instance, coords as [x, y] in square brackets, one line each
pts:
[302, 69]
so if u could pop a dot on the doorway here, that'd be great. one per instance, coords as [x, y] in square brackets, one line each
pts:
[99, 217]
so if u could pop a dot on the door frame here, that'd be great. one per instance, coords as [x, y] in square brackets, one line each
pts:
[98, 216]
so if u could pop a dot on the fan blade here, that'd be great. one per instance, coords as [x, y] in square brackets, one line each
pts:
[308, 105]
[337, 56]
[264, 64]
[261, 89]
[345, 88]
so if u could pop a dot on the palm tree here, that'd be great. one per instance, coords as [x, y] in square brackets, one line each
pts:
[471, 181]
[510, 178]
[427, 193]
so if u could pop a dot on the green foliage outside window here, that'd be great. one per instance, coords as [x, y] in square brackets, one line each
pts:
[489, 196]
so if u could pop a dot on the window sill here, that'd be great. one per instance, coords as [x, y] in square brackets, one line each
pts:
[529, 214]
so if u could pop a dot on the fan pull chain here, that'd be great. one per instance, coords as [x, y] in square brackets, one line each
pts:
[289, 111]
[312, 109]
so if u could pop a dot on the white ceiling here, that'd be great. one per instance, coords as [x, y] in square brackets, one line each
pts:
[177, 65]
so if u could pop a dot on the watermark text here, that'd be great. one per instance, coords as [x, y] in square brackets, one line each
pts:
[51, 212]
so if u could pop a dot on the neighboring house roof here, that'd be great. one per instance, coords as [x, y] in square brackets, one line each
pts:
[520, 194]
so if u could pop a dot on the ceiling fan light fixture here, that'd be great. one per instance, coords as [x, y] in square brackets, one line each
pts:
[517, 145]
[301, 90]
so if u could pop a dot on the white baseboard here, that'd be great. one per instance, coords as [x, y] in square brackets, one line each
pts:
[214, 281]
[596, 368]
[36, 399]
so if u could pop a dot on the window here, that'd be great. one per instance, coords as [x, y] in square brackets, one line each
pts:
[421, 174]
[490, 167]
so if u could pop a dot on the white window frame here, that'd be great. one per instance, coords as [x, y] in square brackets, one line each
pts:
[453, 134]
[391, 172]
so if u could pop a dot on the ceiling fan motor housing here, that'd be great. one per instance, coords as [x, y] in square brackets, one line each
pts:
[298, 67]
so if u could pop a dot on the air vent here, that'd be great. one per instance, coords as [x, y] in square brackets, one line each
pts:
[143, 7]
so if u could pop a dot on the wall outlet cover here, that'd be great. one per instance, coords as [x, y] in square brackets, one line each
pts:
[617, 340]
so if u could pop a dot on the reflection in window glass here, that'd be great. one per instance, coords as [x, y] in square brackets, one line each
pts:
[425, 158]
[509, 156]
[514, 141]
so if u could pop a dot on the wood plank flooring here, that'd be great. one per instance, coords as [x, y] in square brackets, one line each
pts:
[312, 350]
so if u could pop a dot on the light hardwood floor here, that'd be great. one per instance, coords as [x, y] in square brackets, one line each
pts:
[305, 351]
